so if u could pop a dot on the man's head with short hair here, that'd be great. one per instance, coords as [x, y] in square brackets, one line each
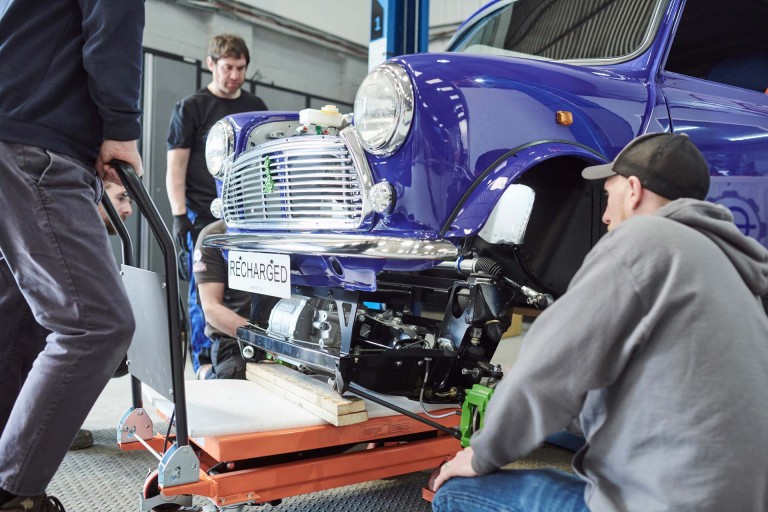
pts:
[649, 172]
[223, 46]
[227, 60]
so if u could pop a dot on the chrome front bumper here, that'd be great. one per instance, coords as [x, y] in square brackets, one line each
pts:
[361, 246]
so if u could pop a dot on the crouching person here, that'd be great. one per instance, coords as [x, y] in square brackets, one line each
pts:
[658, 347]
[224, 309]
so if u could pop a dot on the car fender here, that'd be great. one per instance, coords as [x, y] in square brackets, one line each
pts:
[483, 197]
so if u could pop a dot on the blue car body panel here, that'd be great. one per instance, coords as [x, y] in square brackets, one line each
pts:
[481, 122]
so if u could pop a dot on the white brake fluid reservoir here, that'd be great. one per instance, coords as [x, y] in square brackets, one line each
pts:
[328, 116]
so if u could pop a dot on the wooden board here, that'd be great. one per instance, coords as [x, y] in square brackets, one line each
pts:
[515, 327]
[309, 393]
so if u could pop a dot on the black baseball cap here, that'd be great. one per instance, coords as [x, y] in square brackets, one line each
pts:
[665, 163]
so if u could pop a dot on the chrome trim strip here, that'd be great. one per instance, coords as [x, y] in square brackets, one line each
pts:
[352, 140]
[361, 246]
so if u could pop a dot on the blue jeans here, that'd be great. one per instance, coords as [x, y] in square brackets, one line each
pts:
[567, 440]
[199, 342]
[536, 490]
[58, 267]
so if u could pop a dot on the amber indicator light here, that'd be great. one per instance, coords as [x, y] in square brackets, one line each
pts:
[564, 117]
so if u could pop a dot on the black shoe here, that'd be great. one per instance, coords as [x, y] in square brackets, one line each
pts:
[40, 503]
[83, 440]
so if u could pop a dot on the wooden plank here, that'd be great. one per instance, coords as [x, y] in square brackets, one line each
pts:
[339, 420]
[306, 387]
[515, 327]
[532, 312]
[309, 393]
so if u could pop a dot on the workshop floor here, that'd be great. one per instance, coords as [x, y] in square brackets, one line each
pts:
[105, 479]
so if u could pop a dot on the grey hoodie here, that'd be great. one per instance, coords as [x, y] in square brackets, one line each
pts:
[660, 349]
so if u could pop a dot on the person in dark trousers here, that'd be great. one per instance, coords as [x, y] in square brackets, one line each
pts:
[121, 201]
[191, 188]
[658, 347]
[69, 105]
[225, 309]
[22, 325]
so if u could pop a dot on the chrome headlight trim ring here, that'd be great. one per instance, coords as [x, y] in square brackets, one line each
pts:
[393, 137]
[220, 148]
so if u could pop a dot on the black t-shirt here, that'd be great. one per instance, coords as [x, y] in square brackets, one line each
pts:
[210, 267]
[191, 120]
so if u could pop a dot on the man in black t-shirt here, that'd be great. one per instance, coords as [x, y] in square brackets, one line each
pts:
[190, 187]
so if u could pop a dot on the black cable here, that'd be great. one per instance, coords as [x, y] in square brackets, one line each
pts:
[168, 432]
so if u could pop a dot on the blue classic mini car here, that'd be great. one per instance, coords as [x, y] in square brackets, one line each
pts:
[387, 247]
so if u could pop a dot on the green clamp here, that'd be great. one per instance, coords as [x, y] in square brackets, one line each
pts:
[473, 411]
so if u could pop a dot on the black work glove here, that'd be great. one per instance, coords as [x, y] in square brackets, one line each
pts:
[181, 227]
[182, 264]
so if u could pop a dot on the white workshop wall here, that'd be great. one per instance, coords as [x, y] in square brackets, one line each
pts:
[331, 66]
[350, 18]
[276, 57]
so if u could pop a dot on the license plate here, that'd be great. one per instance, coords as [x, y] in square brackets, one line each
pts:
[256, 272]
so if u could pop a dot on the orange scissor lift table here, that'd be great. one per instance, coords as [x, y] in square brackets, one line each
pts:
[265, 466]
[237, 443]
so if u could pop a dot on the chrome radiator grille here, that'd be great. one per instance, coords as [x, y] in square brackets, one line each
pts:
[305, 182]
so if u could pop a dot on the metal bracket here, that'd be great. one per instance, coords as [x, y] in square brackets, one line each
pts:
[179, 466]
[135, 423]
[147, 504]
[473, 411]
[339, 385]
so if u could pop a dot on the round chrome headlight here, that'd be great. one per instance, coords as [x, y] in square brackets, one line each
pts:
[384, 109]
[219, 148]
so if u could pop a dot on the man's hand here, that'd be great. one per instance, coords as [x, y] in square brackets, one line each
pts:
[181, 227]
[117, 150]
[460, 465]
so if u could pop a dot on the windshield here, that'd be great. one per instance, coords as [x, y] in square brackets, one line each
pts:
[562, 29]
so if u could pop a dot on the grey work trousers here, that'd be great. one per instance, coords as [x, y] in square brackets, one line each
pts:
[58, 266]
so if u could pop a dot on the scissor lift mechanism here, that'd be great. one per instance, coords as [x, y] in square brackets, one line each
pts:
[262, 467]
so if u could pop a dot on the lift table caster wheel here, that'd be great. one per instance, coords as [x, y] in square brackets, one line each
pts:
[152, 490]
